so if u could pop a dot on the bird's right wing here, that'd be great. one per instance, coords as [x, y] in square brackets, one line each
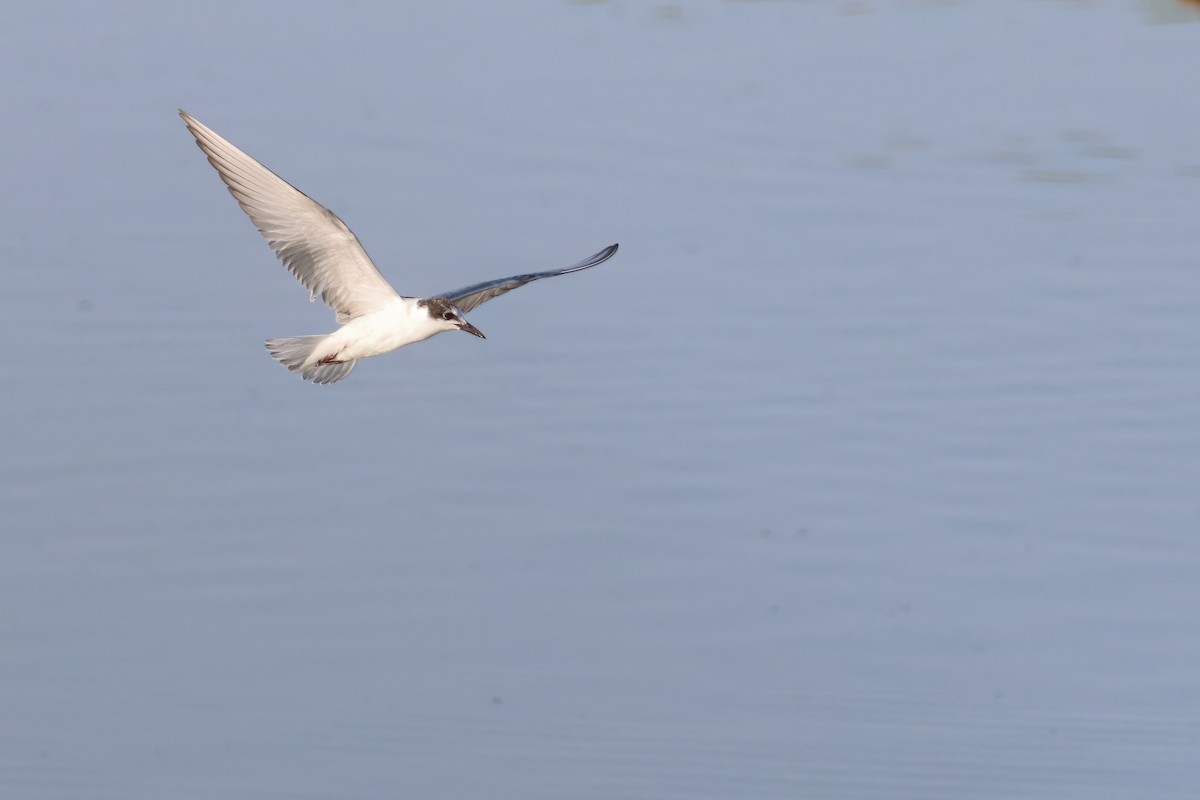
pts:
[471, 297]
[310, 240]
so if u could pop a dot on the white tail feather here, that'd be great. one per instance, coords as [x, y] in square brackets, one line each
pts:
[296, 352]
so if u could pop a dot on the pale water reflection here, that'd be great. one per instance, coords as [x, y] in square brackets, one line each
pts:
[866, 469]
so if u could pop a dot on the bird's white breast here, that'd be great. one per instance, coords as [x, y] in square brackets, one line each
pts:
[398, 323]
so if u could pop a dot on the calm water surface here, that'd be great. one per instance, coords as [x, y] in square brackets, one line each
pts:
[868, 468]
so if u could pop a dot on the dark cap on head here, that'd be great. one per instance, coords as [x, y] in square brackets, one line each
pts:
[437, 306]
[443, 309]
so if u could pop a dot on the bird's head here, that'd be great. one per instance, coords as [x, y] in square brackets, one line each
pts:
[447, 317]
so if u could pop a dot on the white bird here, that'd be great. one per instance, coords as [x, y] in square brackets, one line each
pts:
[325, 255]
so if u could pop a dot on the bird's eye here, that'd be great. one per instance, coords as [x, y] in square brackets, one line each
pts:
[449, 315]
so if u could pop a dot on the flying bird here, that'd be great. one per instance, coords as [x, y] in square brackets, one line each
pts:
[325, 255]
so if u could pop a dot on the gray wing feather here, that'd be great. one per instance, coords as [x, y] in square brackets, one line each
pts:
[471, 297]
[310, 240]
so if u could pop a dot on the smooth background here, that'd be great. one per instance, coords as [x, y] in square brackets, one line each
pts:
[868, 468]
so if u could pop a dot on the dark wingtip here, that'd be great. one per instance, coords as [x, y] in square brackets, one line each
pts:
[603, 255]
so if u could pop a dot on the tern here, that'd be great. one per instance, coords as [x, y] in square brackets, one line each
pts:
[325, 255]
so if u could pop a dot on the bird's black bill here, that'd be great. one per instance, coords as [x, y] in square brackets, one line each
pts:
[469, 328]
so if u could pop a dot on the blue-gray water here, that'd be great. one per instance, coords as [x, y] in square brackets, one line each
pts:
[868, 467]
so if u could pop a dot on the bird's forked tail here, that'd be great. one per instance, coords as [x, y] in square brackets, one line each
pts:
[294, 353]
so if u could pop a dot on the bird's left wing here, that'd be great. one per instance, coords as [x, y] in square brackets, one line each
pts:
[310, 240]
[471, 297]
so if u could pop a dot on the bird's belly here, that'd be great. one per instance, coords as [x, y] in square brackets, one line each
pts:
[375, 334]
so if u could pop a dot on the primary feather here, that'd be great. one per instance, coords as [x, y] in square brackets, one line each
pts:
[471, 297]
[311, 241]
